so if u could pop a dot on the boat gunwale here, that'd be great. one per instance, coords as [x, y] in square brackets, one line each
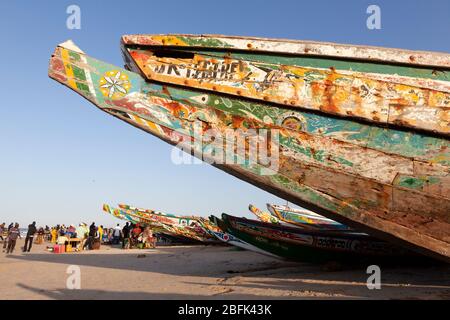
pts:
[310, 232]
[409, 57]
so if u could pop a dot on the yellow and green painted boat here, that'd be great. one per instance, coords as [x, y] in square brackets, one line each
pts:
[359, 134]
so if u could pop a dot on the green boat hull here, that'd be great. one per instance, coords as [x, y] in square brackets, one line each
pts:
[311, 246]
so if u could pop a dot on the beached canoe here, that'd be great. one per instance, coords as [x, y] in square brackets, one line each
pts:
[159, 225]
[130, 217]
[159, 229]
[193, 226]
[235, 241]
[263, 215]
[310, 245]
[359, 135]
[304, 218]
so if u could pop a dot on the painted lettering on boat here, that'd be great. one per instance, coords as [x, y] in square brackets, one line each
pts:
[203, 70]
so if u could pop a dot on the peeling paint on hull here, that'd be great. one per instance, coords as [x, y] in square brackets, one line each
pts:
[387, 182]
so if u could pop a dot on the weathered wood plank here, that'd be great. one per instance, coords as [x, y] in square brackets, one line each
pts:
[328, 91]
[287, 46]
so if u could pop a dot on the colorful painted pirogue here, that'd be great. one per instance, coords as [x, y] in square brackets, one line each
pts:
[158, 224]
[263, 215]
[357, 134]
[121, 214]
[234, 241]
[193, 226]
[304, 218]
[163, 231]
[304, 245]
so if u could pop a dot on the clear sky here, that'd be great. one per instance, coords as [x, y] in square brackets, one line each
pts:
[61, 158]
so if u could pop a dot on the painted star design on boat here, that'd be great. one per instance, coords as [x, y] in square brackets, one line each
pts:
[114, 84]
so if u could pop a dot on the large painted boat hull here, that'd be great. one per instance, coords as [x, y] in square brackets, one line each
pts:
[390, 182]
[310, 246]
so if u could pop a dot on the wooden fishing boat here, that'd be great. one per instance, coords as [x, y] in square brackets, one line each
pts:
[187, 225]
[159, 229]
[263, 215]
[156, 224]
[310, 245]
[359, 135]
[235, 241]
[304, 218]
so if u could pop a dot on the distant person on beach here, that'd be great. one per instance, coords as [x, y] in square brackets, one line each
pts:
[135, 233]
[126, 236]
[62, 231]
[91, 236]
[116, 234]
[47, 235]
[54, 234]
[105, 235]
[148, 239]
[2, 228]
[71, 231]
[110, 235]
[5, 243]
[30, 236]
[40, 236]
[100, 233]
[13, 234]
[81, 234]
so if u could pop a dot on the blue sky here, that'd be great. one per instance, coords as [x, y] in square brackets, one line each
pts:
[61, 158]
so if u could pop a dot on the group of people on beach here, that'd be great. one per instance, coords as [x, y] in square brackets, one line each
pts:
[82, 237]
[10, 235]
[133, 236]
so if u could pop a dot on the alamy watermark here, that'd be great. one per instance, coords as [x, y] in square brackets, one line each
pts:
[374, 280]
[258, 148]
[73, 21]
[73, 282]
[373, 21]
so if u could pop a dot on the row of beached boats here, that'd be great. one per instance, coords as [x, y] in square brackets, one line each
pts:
[359, 135]
[282, 232]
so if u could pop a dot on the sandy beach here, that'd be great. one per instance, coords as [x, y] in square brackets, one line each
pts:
[204, 272]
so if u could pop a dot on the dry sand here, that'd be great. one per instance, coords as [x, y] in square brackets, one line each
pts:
[204, 272]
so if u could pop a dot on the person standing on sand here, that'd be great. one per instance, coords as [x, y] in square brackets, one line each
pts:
[91, 236]
[47, 233]
[5, 243]
[2, 227]
[30, 236]
[116, 234]
[126, 236]
[81, 234]
[13, 234]
[54, 233]
[40, 236]
[100, 233]
[148, 238]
